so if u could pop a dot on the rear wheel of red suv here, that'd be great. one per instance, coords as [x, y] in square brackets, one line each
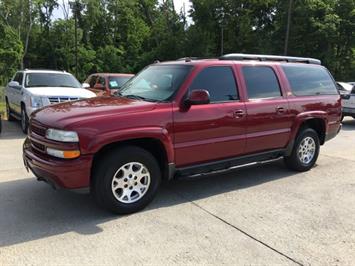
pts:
[305, 151]
[126, 180]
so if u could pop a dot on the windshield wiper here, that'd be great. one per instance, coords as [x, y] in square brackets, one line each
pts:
[137, 97]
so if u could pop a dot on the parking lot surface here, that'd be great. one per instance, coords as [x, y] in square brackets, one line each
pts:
[264, 214]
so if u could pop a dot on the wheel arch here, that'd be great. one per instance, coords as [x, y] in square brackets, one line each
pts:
[153, 145]
[317, 123]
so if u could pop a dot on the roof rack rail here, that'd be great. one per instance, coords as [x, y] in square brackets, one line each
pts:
[188, 59]
[44, 69]
[260, 57]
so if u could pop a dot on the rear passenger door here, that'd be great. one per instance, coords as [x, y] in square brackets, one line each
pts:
[268, 120]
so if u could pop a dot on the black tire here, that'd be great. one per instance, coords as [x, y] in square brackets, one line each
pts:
[294, 162]
[24, 120]
[8, 112]
[109, 166]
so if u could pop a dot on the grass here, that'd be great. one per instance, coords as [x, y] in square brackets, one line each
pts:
[2, 101]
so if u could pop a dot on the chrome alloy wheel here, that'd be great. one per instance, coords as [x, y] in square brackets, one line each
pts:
[306, 150]
[131, 182]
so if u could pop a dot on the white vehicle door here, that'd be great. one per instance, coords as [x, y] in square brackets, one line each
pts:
[17, 93]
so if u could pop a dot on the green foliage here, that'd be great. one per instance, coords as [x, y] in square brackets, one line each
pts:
[323, 29]
[126, 35]
[10, 52]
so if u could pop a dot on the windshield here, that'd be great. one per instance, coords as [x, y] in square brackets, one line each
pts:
[156, 83]
[51, 80]
[117, 82]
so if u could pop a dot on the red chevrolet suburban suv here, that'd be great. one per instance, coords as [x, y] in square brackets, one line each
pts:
[185, 118]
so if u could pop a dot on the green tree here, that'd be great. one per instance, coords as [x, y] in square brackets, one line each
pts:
[11, 51]
[126, 35]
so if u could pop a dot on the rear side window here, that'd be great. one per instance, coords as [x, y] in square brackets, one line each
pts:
[218, 81]
[309, 80]
[261, 82]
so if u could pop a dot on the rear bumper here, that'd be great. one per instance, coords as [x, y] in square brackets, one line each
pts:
[60, 173]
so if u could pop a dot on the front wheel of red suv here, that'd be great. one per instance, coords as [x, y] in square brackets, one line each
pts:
[305, 151]
[126, 180]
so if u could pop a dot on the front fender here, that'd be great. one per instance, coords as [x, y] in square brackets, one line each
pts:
[158, 133]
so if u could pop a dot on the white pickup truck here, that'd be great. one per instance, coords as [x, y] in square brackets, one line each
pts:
[32, 89]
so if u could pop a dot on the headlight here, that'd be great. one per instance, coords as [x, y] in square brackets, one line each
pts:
[61, 135]
[36, 102]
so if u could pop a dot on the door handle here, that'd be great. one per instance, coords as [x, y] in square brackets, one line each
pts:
[280, 110]
[239, 113]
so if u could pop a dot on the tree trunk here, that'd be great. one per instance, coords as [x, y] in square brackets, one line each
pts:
[27, 33]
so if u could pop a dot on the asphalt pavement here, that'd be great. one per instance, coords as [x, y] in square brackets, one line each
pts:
[263, 215]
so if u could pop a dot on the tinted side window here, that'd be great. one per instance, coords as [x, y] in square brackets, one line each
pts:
[92, 81]
[218, 81]
[101, 81]
[19, 77]
[309, 80]
[261, 82]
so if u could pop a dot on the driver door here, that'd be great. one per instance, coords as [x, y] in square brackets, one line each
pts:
[213, 131]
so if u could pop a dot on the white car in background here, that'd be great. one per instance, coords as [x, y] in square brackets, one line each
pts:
[32, 89]
[347, 92]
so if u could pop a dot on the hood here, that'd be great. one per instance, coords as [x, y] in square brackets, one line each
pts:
[60, 91]
[65, 114]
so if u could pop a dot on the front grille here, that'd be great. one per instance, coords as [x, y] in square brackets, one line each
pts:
[39, 130]
[38, 146]
[54, 100]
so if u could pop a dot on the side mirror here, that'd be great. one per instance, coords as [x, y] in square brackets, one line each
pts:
[14, 84]
[99, 87]
[197, 97]
[86, 85]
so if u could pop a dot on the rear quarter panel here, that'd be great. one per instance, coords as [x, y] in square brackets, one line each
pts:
[302, 108]
[325, 107]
